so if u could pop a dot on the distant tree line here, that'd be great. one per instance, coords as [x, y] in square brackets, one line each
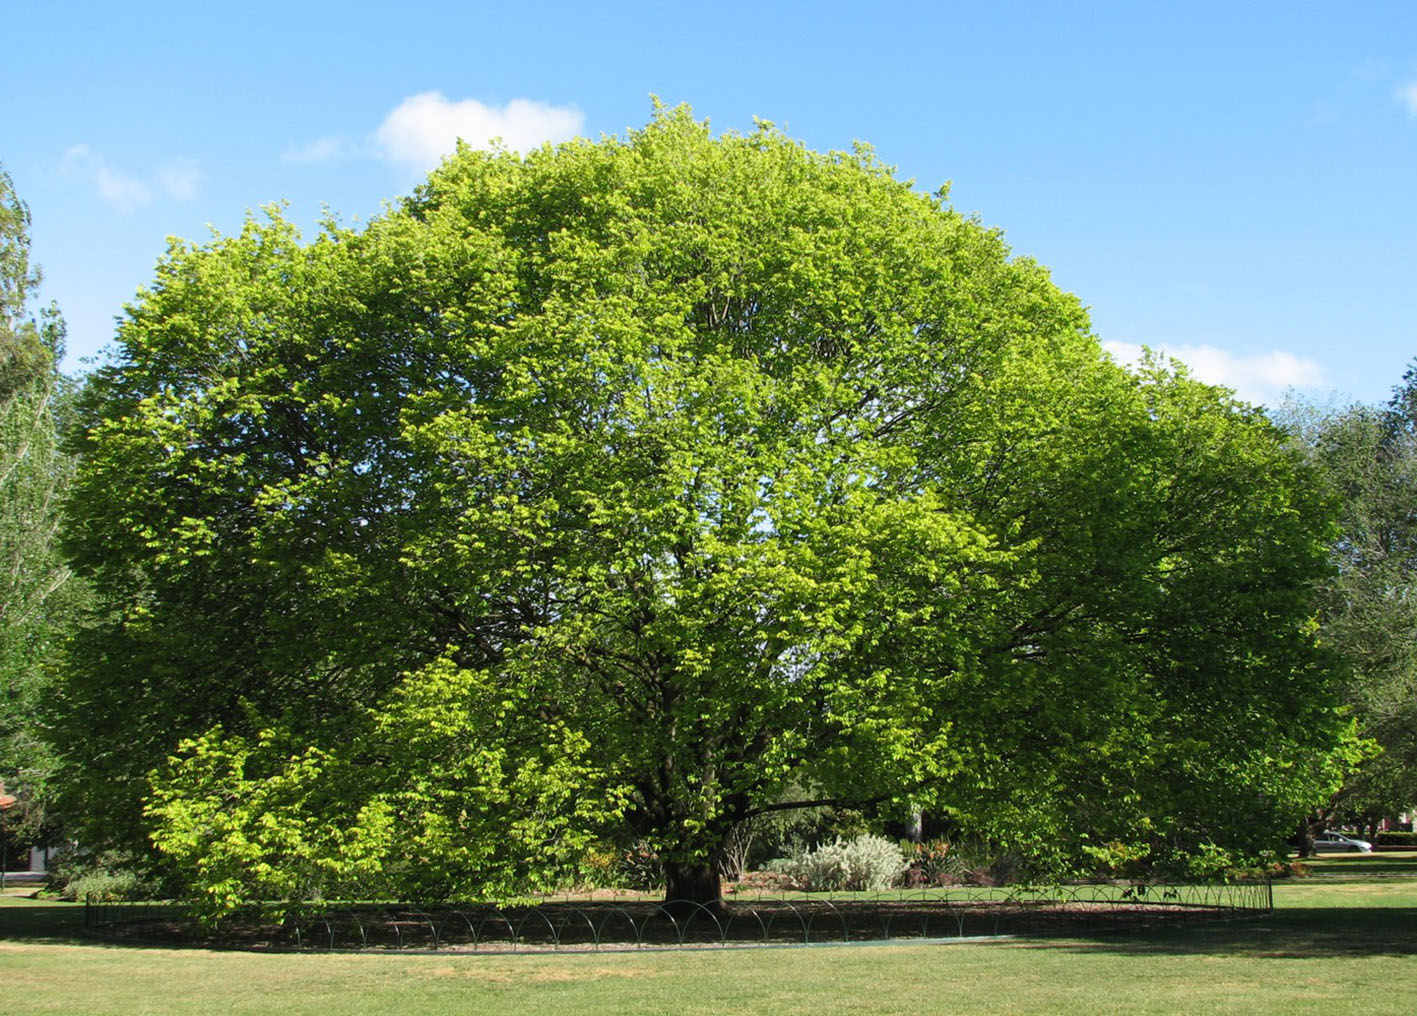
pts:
[1367, 457]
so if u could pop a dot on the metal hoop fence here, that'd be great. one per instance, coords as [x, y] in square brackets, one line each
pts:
[638, 923]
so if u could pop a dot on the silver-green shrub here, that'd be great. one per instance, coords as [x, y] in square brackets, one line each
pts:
[862, 864]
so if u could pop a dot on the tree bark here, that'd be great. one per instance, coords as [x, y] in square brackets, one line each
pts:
[1306, 837]
[693, 882]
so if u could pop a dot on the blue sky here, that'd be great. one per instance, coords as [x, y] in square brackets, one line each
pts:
[1235, 183]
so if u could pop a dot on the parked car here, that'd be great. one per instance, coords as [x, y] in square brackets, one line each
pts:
[1331, 842]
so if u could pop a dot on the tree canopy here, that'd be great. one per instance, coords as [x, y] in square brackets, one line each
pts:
[1368, 456]
[33, 472]
[609, 490]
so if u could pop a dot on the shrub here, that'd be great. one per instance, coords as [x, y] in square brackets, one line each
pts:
[599, 868]
[104, 885]
[817, 870]
[873, 862]
[932, 864]
[1286, 869]
[864, 863]
[968, 861]
[640, 867]
[1394, 838]
[113, 875]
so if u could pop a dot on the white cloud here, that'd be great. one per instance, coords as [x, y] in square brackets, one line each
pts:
[326, 149]
[1407, 95]
[1255, 377]
[120, 190]
[178, 179]
[426, 127]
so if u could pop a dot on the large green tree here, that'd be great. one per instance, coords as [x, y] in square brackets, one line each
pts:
[610, 490]
[32, 476]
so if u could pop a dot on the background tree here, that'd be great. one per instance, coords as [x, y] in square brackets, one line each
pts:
[33, 473]
[1369, 457]
[678, 469]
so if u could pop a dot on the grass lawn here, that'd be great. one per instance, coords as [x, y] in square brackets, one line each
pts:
[1344, 939]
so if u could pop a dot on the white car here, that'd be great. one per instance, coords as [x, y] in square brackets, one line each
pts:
[1332, 842]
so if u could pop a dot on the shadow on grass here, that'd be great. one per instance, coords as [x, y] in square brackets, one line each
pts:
[1287, 934]
[41, 922]
[1363, 865]
[1290, 934]
[48, 922]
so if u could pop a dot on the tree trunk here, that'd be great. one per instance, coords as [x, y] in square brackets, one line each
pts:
[1306, 838]
[693, 882]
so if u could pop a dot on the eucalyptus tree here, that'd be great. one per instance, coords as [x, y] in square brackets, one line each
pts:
[607, 491]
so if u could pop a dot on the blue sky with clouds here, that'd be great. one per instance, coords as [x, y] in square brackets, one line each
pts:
[1235, 183]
